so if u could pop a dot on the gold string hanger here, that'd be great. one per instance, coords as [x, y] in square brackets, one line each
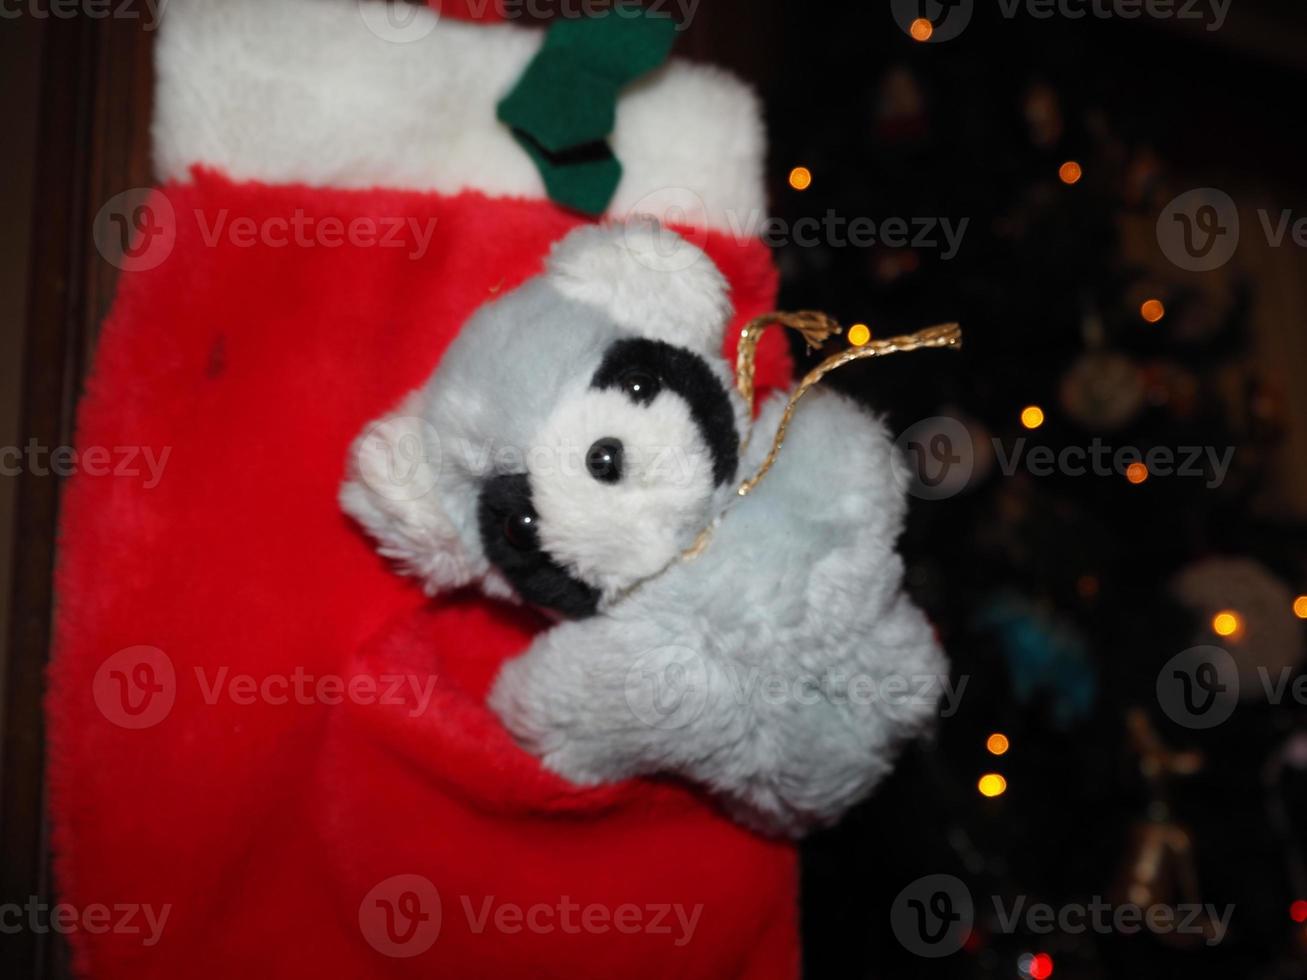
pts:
[816, 328]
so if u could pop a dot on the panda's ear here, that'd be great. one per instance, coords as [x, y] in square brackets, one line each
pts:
[392, 489]
[648, 279]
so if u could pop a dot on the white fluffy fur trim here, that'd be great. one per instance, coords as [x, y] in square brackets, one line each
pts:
[340, 93]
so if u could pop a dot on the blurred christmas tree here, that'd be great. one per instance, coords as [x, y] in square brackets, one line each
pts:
[1029, 189]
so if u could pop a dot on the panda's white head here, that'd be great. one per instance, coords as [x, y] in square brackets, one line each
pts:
[577, 436]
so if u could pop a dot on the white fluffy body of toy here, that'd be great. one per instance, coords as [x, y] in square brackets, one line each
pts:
[577, 437]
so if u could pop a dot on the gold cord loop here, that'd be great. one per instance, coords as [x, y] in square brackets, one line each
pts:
[816, 328]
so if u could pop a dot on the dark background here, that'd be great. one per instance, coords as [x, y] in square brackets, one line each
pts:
[1051, 594]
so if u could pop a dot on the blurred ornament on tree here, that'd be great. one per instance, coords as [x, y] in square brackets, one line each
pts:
[900, 115]
[1045, 654]
[1240, 605]
[1289, 762]
[891, 264]
[1103, 390]
[1159, 868]
[1043, 113]
[1173, 387]
[1142, 179]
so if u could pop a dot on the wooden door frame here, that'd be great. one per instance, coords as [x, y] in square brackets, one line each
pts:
[93, 142]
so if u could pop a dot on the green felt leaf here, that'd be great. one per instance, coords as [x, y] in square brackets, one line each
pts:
[561, 103]
[563, 107]
[585, 185]
[619, 44]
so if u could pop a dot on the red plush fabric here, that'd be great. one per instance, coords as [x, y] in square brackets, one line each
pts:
[207, 625]
[487, 11]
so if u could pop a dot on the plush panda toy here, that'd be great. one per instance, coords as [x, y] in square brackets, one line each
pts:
[580, 448]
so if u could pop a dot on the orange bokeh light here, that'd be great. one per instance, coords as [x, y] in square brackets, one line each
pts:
[1070, 172]
[921, 29]
[1152, 310]
[992, 784]
[1227, 622]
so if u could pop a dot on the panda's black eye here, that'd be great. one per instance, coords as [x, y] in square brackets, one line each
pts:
[520, 531]
[639, 385]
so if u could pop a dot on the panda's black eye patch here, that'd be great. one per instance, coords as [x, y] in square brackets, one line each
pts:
[510, 536]
[639, 385]
[642, 368]
[520, 530]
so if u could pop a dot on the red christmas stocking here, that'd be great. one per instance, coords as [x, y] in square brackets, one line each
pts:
[266, 745]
